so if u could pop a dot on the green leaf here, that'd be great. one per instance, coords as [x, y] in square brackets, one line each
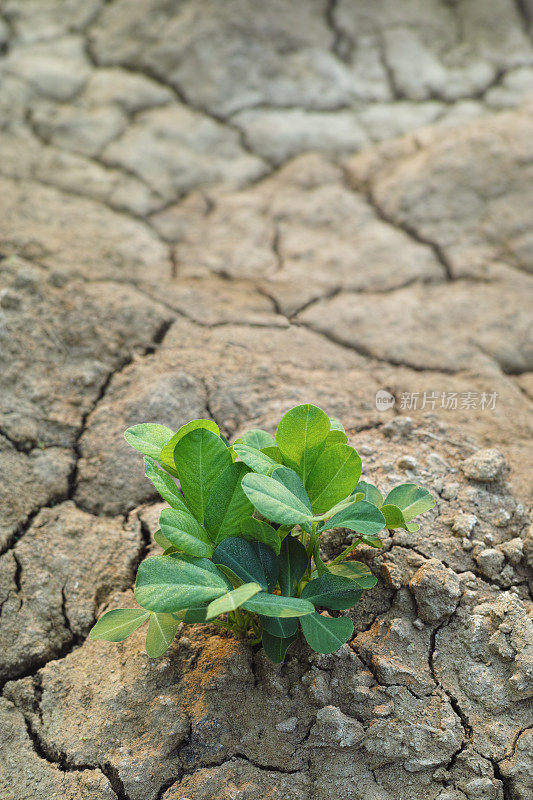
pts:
[162, 541]
[233, 579]
[185, 532]
[148, 438]
[269, 562]
[373, 541]
[335, 437]
[273, 605]
[200, 456]
[195, 614]
[333, 477]
[167, 583]
[301, 436]
[289, 478]
[336, 424]
[279, 627]
[370, 493]
[255, 459]
[337, 434]
[232, 600]
[162, 629]
[255, 530]
[164, 484]
[411, 499]
[355, 571]
[275, 647]
[242, 558]
[362, 517]
[203, 563]
[320, 566]
[274, 501]
[274, 453]
[167, 453]
[332, 591]
[117, 625]
[227, 505]
[258, 439]
[292, 565]
[326, 634]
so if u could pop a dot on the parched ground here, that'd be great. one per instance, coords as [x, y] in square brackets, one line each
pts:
[223, 209]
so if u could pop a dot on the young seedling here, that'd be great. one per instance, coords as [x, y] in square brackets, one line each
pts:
[241, 536]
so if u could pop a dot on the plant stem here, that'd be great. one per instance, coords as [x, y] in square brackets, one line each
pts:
[346, 552]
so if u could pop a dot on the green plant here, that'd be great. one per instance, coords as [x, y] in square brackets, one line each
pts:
[241, 538]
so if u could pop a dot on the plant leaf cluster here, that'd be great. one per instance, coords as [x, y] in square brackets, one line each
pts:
[241, 535]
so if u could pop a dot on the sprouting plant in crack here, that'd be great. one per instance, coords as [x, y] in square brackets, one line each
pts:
[241, 536]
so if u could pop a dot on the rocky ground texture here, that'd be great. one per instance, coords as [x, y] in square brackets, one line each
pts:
[221, 210]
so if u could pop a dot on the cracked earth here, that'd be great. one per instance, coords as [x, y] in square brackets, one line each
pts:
[221, 210]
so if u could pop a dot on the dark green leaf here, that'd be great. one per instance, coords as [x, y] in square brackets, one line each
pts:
[276, 648]
[195, 614]
[200, 456]
[269, 562]
[227, 505]
[241, 557]
[276, 626]
[273, 605]
[167, 583]
[334, 475]
[117, 625]
[258, 531]
[162, 629]
[274, 501]
[292, 565]
[148, 438]
[362, 517]
[326, 634]
[301, 436]
[183, 531]
[332, 591]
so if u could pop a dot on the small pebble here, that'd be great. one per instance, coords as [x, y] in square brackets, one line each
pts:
[407, 462]
[484, 466]
[9, 300]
